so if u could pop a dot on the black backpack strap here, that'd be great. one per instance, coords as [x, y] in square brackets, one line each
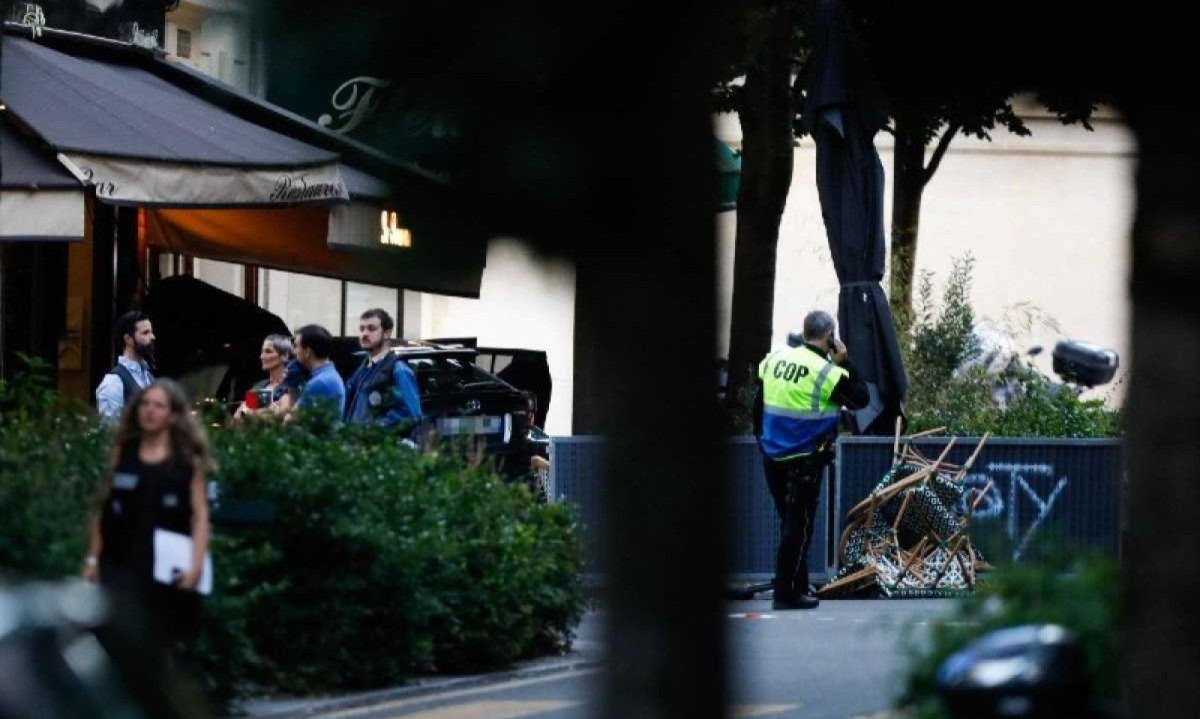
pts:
[127, 380]
[386, 364]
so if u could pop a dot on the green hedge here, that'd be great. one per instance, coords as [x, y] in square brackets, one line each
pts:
[52, 454]
[381, 562]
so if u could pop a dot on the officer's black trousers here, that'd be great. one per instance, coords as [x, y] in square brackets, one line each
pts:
[795, 486]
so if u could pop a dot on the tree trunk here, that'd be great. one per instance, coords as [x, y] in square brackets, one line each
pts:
[908, 186]
[1161, 575]
[766, 117]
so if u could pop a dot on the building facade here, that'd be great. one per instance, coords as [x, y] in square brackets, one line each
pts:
[1046, 218]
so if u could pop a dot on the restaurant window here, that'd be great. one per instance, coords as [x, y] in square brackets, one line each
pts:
[183, 43]
[360, 298]
[301, 300]
[224, 275]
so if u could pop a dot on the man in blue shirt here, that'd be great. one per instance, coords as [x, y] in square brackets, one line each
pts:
[131, 374]
[313, 347]
[383, 390]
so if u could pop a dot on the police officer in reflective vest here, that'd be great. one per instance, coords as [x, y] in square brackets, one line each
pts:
[802, 389]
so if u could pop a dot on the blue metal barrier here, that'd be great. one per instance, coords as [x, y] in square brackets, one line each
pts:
[576, 467]
[1046, 493]
[753, 525]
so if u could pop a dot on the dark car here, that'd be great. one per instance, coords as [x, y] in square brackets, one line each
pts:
[462, 402]
[522, 368]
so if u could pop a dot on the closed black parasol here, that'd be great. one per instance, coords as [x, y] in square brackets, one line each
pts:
[844, 109]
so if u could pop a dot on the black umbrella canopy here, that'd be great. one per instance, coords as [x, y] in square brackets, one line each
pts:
[844, 109]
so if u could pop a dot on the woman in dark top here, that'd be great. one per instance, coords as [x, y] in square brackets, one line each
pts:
[273, 393]
[156, 480]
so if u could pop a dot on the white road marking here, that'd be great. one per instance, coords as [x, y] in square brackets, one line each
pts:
[425, 699]
[487, 709]
[760, 710]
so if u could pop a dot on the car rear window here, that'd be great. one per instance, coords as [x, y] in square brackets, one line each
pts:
[449, 374]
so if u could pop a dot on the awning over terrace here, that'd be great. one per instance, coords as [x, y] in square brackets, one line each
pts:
[221, 174]
[39, 200]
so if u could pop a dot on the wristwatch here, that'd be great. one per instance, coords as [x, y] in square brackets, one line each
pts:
[90, 561]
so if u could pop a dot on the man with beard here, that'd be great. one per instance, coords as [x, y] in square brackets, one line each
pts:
[383, 390]
[135, 336]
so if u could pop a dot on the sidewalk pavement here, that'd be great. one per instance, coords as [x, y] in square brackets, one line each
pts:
[584, 654]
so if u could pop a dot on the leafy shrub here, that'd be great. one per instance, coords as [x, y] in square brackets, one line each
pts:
[943, 336]
[380, 562]
[1079, 593]
[52, 454]
[383, 561]
[948, 388]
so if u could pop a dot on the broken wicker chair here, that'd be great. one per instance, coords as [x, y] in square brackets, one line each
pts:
[909, 537]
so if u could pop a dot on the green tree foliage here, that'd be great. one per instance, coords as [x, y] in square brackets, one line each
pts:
[938, 90]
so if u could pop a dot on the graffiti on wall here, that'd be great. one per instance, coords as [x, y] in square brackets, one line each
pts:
[1012, 486]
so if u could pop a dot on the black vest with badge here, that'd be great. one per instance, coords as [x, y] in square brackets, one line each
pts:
[372, 386]
[142, 497]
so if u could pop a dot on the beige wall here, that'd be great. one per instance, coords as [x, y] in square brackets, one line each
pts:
[1046, 217]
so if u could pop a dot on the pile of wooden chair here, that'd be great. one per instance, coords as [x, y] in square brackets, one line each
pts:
[909, 537]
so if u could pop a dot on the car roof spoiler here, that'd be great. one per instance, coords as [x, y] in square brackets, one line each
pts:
[420, 348]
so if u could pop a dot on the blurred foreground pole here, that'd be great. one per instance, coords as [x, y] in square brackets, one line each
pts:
[606, 154]
[644, 354]
[587, 130]
[1162, 577]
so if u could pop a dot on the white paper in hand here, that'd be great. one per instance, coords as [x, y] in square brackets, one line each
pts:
[173, 555]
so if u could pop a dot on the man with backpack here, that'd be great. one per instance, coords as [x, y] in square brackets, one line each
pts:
[383, 390]
[135, 336]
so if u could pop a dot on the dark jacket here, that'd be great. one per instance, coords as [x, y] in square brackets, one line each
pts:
[385, 393]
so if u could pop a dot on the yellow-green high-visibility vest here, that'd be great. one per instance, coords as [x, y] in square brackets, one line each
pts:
[798, 414]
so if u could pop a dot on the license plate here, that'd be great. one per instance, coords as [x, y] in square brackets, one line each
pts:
[470, 425]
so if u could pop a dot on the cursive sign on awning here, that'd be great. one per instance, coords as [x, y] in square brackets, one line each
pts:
[121, 181]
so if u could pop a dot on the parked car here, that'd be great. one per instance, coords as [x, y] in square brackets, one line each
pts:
[522, 368]
[462, 401]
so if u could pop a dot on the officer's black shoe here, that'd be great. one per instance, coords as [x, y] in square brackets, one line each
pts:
[802, 601]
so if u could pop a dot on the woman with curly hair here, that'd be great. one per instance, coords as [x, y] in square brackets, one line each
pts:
[156, 481]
